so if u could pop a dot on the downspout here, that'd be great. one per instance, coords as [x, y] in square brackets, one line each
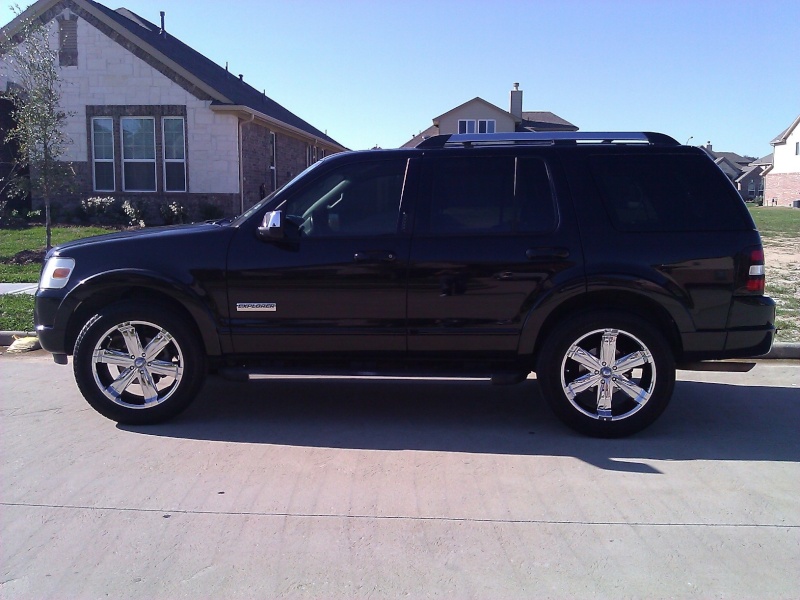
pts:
[241, 161]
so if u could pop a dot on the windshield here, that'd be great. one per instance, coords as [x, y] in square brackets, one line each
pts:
[264, 201]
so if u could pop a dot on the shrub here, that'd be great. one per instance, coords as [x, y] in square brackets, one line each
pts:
[174, 213]
[134, 213]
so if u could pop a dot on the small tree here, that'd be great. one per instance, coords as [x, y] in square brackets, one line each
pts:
[40, 121]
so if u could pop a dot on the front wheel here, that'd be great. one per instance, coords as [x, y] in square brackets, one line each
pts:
[606, 374]
[138, 364]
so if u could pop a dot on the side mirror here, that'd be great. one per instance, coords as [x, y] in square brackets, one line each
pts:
[272, 226]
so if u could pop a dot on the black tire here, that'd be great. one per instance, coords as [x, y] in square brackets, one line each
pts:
[139, 364]
[637, 361]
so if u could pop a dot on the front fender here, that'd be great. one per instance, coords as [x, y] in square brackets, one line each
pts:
[91, 294]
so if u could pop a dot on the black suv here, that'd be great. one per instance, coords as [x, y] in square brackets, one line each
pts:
[601, 261]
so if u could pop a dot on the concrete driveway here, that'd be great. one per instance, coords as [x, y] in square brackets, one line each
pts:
[331, 488]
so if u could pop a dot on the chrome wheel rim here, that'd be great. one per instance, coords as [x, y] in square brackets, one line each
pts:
[137, 364]
[608, 374]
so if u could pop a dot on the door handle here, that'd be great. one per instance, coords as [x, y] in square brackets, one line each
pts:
[551, 253]
[375, 256]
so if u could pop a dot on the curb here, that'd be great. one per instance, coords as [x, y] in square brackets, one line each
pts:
[780, 350]
[7, 337]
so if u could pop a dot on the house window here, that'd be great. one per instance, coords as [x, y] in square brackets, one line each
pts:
[68, 41]
[103, 154]
[138, 154]
[174, 154]
[751, 189]
[466, 126]
[486, 126]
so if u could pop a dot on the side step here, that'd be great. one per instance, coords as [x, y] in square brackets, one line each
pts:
[243, 374]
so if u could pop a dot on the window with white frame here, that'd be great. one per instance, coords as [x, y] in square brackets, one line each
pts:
[103, 154]
[466, 126]
[751, 189]
[174, 154]
[486, 125]
[138, 154]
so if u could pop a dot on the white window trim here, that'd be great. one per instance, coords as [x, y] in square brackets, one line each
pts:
[173, 160]
[104, 160]
[138, 160]
[467, 123]
[486, 125]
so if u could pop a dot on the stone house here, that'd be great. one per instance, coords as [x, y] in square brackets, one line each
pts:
[153, 120]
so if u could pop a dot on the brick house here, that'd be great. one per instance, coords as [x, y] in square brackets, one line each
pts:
[479, 116]
[153, 120]
[782, 185]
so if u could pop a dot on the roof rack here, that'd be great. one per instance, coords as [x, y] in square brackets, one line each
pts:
[548, 138]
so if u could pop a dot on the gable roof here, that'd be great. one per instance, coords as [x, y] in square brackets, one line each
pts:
[226, 90]
[731, 157]
[477, 100]
[784, 135]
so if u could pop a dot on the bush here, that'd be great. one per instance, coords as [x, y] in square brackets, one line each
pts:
[98, 210]
[134, 213]
[174, 213]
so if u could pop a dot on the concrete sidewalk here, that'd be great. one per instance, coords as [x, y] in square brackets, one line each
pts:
[312, 488]
[18, 288]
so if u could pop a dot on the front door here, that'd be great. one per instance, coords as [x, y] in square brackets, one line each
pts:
[339, 284]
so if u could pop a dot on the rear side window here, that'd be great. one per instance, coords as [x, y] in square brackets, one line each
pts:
[479, 194]
[672, 192]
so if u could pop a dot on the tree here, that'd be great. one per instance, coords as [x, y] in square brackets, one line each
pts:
[39, 118]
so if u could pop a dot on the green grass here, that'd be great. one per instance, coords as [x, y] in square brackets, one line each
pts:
[16, 312]
[776, 222]
[13, 241]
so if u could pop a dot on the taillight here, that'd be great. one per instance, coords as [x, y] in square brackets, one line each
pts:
[751, 278]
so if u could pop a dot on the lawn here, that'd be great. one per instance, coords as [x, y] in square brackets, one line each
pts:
[776, 222]
[14, 241]
[16, 312]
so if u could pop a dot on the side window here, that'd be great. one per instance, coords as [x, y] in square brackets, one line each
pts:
[355, 200]
[536, 207]
[667, 192]
[481, 194]
[472, 194]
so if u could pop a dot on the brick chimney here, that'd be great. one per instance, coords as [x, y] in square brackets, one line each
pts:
[516, 101]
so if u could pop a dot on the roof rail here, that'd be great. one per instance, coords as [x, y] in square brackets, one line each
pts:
[549, 138]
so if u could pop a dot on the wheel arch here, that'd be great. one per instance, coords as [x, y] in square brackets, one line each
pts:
[539, 326]
[151, 288]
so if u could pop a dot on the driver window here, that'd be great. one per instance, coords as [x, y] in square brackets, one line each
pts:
[355, 200]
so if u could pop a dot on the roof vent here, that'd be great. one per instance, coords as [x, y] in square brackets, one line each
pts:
[163, 32]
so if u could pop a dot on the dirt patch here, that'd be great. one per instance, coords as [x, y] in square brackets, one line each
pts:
[782, 260]
[26, 257]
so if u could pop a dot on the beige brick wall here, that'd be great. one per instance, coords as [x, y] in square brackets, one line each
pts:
[782, 187]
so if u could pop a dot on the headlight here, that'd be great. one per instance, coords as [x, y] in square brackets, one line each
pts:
[56, 273]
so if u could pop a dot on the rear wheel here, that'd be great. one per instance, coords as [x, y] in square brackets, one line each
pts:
[606, 374]
[139, 364]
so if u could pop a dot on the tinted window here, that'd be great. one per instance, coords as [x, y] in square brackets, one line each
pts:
[490, 194]
[355, 199]
[658, 192]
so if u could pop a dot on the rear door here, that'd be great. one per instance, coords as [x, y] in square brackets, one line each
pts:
[489, 244]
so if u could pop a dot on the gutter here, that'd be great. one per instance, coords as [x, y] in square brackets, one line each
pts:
[241, 109]
[242, 123]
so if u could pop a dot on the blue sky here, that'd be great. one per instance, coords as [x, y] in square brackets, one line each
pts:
[377, 72]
